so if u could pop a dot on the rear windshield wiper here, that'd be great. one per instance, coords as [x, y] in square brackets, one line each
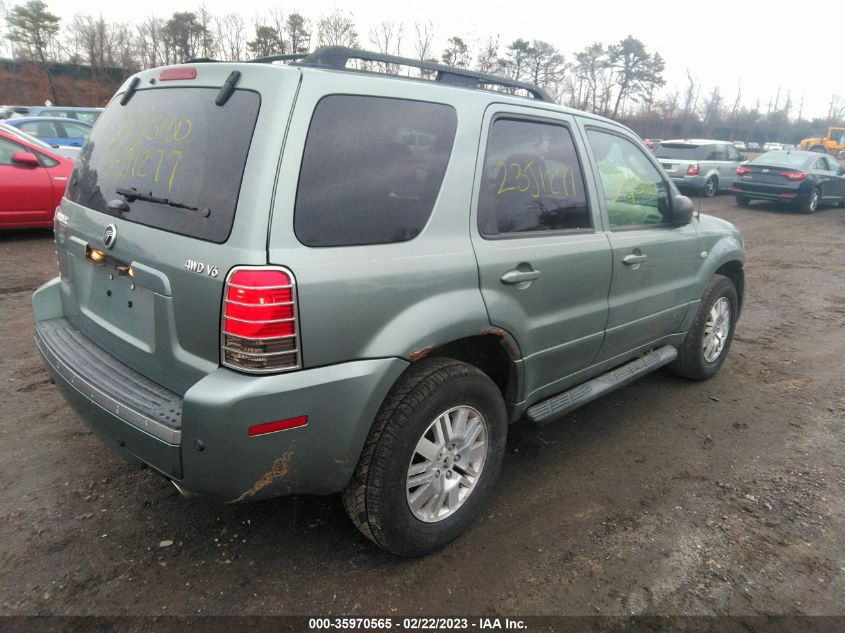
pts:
[133, 194]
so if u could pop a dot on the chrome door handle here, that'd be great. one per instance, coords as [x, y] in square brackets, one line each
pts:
[634, 259]
[513, 277]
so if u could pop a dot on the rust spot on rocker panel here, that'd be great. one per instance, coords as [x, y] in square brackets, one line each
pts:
[279, 469]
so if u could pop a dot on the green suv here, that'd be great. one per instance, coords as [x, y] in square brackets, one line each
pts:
[306, 278]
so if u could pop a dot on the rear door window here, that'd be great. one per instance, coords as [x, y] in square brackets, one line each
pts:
[172, 144]
[371, 169]
[532, 181]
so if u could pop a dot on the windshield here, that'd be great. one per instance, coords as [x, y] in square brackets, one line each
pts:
[173, 144]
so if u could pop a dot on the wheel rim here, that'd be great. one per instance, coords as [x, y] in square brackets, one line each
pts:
[814, 201]
[447, 463]
[710, 187]
[716, 329]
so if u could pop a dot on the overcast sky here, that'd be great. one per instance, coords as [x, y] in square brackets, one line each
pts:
[759, 43]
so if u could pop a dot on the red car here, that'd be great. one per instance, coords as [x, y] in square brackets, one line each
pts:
[33, 179]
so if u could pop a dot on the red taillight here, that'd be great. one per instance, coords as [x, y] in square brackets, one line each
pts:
[692, 170]
[260, 329]
[171, 74]
[280, 425]
[742, 170]
[793, 175]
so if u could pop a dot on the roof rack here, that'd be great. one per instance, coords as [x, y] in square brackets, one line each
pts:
[338, 56]
[290, 57]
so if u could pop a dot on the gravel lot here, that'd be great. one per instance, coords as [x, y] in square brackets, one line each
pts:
[667, 497]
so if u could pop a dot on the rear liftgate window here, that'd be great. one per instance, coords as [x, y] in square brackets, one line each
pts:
[371, 170]
[173, 156]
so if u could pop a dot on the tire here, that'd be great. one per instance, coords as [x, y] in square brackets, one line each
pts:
[743, 201]
[711, 187]
[695, 361]
[811, 204]
[379, 497]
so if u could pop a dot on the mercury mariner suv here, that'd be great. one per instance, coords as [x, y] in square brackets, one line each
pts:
[294, 276]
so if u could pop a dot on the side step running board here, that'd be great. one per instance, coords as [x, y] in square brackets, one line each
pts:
[550, 410]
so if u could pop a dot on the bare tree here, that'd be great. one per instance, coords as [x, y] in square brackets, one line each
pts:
[151, 49]
[425, 36]
[691, 96]
[337, 29]
[207, 42]
[713, 107]
[231, 33]
[488, 58]
[5, 46]
[836, 109]
[387, 38]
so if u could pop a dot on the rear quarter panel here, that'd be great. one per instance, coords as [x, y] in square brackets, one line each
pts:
[386, 300]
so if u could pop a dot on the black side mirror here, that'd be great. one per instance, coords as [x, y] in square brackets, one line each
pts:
[682, 209]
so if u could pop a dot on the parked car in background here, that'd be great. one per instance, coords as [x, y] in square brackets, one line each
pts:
[772, 147]
[88, 115]
[7, 111]
[54, 130]
[787, 147]
[651, 143]
[61, 150]
[753, 146]
[701, 165]
[33, 179]
[804, 179]
[740, 146]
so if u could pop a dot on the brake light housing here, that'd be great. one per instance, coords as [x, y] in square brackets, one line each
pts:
[260, 323]
[692, 170]
[794, 176]
[742, 170]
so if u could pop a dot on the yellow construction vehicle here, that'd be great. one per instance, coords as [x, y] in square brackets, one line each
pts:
[833, 143]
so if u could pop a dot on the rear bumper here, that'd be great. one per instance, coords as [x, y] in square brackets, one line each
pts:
[689, 182]
[761, 192]
[208, 449]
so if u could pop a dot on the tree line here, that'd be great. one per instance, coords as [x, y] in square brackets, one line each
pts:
[622, 80]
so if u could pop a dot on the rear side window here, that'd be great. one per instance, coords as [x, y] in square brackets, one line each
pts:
[371, 170]
[532, 181]
[172, 144]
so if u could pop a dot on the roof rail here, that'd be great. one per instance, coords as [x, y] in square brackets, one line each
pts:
[290, 57]
[338, 56]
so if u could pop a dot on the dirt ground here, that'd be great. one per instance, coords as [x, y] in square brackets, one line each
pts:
[667, 497]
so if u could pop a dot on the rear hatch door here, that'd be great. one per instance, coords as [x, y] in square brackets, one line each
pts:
[676, 158]
[171, 190]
